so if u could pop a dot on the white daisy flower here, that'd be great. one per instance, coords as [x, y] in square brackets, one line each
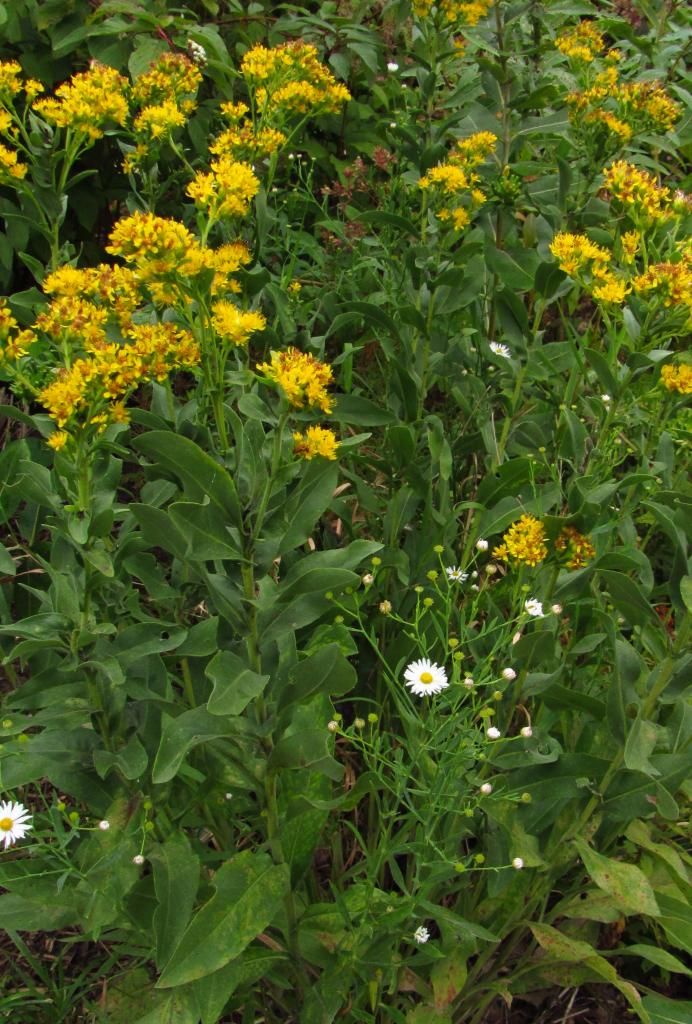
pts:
[500, 350]
[392, 66]
[556, 609]
[138, 859]
[14, 822]
[455, 575]
[534, 607]
[509, 673]
[518, 863]
[425, 677]
[527, 732]
[482, 544]
[421, 935]
[104, 825]
[486, 789]
[493, 733]
[605, 399]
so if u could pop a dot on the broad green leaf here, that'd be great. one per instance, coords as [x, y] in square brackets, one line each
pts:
[667, 1011]
[448, 978]
[248, 893]
[235, 685]
[628, 597]
[626, 884]
[144, 638]
[660, 957]
[307, 502]
[640, 744]
[198, 472]
[183, 733]
[206, 531]
[176, 879]
[326, 671]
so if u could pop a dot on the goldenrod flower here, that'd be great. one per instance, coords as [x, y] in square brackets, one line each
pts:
[10, 79]
[290, 79]
[629, 243]
[170, 78]
[244, 143]
[236, 325]
[71, 318]
[10, 165]
[303, 379]
[677, 378]
[57, 440]
[575, 252]
[227, 190]
[611, 289]
[87, 102]
[578, 548]
[525, 541]
[583, 42]
[671, 282]
[159, 120]
[316, 441]
[638, 191]
[147, 240]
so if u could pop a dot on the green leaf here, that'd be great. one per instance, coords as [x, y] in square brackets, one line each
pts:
[159, 530]
[628, 598]
[176, 879]
[626, 884]
[235, 685]
[307, 502]
[183, 733]
[667, 1011]
[198, 472]
[248, 893]
[206, 531]
[640, 744]
[660, 957]
[361, 412]
[144, 638]
[326, 671]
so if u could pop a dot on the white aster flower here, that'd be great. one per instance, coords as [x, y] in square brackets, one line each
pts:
[509, 673]
[421, 935]
[527, 731]
[14, 822]
[368, 579]
[486, 789]
[500, 350]
[518, 863]
[493, 733]
[468, 683]
[605, 399]
[425, 677]
[332, 726]
[482, 544]
[534, 607]
[392, 66]
[556, 609]
[455, 575]
[104, 825]
[138, 859]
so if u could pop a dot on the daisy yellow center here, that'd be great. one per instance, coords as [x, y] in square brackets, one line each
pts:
[425, 677]
[6, 824]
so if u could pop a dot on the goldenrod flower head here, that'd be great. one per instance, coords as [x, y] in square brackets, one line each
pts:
[449, 178]
[638, 191]
[171, 77]
[614, 124]
[10, 79]
[469, 13]
[290, 79]
[71, 318]
[227, 190]
[611, 289]
[649, 103]
[244, 143]
[316, 441]
[670, 282]
[89, 101]
[159, 120]
[10, 165]
[583, 42]
[677, 378]
[236, 325]
[575, 252]
[57, 440]
[578, 548]
[5, 121]
[525, 541]
[629, 243]
[475, 149]
[234, 112]
[303, 379]
[143, 238]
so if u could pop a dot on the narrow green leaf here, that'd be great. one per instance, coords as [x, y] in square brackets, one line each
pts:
[176, 879]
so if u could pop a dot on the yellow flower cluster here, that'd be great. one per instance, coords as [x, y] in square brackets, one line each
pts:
[457, 179]
[677, 378]
[671, 283]
[623, 108]
[159, 119]
[226, 191]
[245, 143]
[575, 253]
[236, 325]
[303, 379]
[172, 77]
[524, 542]
[576, 546]
[11, 84]
[114, 287]
[69, 318]
[11, 167]
[146, 240]
[638, 192]
[13, 344]
[290, 79]
[452, 11]
[88, 102]
[583, 42]
[93, 388]
[316, 441]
